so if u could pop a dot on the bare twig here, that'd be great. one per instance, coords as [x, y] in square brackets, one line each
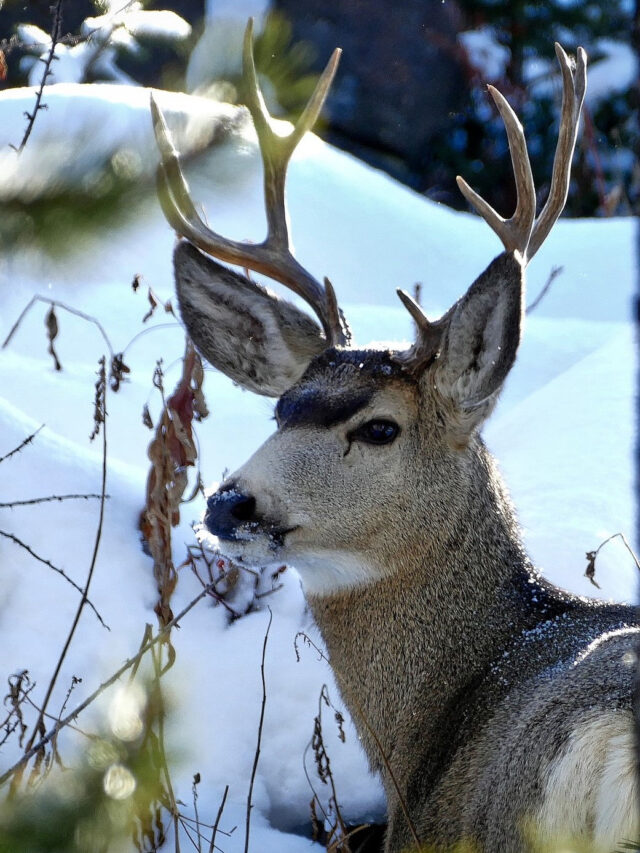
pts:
[22, 444]
[57, 569]
[103, 491]
[161, 755]
[63, 307]
[131, 662]
[555, 272]
[338, 833]
[212, 844]
[591, 557]
[49, 498]
[194, 791]
[383, 756]
[56, 34]
[256, 757]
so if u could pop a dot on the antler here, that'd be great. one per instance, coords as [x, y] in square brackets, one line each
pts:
[273, 256]
[522, 233]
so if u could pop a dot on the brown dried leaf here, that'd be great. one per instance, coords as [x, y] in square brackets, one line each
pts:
[146, 417]
[153, 302]
[171, 452]
[591, 568]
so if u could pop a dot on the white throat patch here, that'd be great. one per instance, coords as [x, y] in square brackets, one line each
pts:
[327, 571]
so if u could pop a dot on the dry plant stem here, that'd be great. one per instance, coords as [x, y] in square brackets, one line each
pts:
[383, 756]
[194, 788]
[212, 844]
[56, 33]
[256, 757]
[555, 272]
[135, 660]
[22, 444]
[593, 554]
[175, 812]
[83, 600]
[63, 307]
[47, 499]
[323, 769]
[50, 565]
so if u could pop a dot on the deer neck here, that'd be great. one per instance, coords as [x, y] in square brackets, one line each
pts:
[403, 647]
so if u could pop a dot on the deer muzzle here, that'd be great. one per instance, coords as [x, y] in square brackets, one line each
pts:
[231, 514]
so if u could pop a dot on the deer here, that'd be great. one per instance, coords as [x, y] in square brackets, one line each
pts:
[496, 707]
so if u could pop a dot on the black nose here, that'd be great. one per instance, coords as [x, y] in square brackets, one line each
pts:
[228, 508]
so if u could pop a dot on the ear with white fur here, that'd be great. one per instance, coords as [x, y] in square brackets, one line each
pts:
[260, 341]
[479, 346]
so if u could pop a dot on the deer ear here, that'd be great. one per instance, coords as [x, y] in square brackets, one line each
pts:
[479, 346]
[260, 341]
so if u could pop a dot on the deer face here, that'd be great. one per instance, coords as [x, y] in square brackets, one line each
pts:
[324, 492]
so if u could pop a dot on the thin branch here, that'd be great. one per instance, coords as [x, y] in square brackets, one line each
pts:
[150, 329]
[259, 741]
[63, 307]
[591, 556]
[218, 816]
[161, 754]
[56, 34]
[160, 637]
[85, 591]
[22, 444]
[48, 498]
[555, 272]
[60, 571]
[307, 639]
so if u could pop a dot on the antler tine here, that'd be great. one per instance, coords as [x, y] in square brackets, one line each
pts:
[273, 256]
[515, 232]
[574, 86]
[429, 337]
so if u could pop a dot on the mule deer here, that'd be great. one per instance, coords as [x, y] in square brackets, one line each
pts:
[497, 708]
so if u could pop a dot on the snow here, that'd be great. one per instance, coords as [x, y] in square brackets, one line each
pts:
[96, 53]
[612, 72]
[563, 433]
[485, 53]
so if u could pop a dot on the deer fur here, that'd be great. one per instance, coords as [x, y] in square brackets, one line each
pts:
[502, 705]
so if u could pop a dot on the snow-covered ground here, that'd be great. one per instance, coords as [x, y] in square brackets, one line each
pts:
[563, 433]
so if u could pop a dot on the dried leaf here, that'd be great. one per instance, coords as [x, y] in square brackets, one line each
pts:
[153, 302]
[171, 452]
[99, 401]
[146, 417]
[51, 324]
[591, 568]
[117, 371]
[135, 284]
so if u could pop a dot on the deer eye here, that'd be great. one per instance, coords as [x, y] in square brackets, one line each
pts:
[376, 432]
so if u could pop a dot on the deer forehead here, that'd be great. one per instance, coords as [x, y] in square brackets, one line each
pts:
[340, 384]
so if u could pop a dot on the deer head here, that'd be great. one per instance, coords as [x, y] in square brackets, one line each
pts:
[373, 448]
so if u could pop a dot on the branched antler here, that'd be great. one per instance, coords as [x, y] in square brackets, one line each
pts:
[273, 256]
[523, 233]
